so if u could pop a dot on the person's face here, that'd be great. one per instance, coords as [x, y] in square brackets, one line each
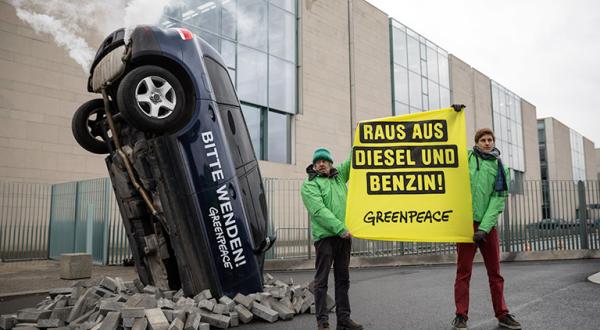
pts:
[486, 143]
[322, 166]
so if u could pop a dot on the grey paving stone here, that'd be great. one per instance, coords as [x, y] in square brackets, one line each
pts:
[178, 295]
[220, 309]
[227, 302]
[50, 323]
[156, 319]
[243, 313]
[207, 294]
[165, 303]
[193, 320]
[298, 302]
[110, 306]
[264, 312]
[234, 319]
[111, 321]
[128, 322]
[206, 304]
[149, 289]
[61, 313]
[133, 312]
[180, 314]
[216, 320]
[8, 321]
[32, 315]
[168, 314]
[140, 324]
[60, 291]
[109, 284]
[284, 312]
[243, 300]
[176, 324]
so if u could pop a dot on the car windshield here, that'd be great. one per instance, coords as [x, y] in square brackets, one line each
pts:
[221, 84]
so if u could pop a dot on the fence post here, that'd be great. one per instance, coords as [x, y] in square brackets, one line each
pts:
[89, 230]
[582, 215]
[506, 228]
[308, 236]
[106, 205]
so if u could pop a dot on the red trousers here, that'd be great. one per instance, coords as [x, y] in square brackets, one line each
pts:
[490, 251]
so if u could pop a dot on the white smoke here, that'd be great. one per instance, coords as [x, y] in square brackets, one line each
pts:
[78, 48]
[73, 24]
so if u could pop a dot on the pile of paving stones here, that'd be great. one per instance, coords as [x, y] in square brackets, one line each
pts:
[110, 304]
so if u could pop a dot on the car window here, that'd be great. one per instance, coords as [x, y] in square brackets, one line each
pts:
[221, 84]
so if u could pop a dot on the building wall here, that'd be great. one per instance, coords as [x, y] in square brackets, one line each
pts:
[597, 164]
[324, 118]
[471, 88]
[558, 150]
[530, 140]
[461, 89]
[40, 88]
[370, 63]
[590, 159]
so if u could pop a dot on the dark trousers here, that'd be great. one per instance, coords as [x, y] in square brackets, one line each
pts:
[490, 251]
[336, 251]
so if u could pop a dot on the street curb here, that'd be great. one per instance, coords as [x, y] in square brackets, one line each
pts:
[22, 293]
[440, 259]
[595, 278]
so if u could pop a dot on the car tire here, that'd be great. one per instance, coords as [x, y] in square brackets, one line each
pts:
[86, 126]
[152, 99]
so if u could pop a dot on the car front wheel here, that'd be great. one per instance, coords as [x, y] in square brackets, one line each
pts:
[152, 99]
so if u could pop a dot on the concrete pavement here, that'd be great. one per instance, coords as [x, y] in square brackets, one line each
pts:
[542, 295]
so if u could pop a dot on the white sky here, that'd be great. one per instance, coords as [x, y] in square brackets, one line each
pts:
[547, 52]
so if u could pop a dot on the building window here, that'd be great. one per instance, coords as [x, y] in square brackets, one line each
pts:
[258, 42]
[508, 126]
[270, 132]
[544, 170]
[577, 156]
[420, 75]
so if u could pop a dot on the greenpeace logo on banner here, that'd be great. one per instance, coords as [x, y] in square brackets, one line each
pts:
[409, 179]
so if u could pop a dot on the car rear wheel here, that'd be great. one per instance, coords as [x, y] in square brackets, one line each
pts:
[87, 126]
[152, 99]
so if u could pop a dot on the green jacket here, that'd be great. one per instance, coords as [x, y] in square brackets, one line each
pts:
[487, 204]
[325, 200]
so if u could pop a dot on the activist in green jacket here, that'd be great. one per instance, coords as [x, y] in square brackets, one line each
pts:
[324, 197]
[488, 202]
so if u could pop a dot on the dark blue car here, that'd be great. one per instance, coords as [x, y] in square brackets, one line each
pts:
[180, 160]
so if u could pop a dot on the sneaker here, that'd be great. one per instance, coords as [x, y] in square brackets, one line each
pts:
[508, 321]
[323, 326]
[348, 325]
[459, 322]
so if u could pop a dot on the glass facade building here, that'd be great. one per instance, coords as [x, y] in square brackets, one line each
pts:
[420, 73]
[508, 126]
[258, 42]
[577, 155]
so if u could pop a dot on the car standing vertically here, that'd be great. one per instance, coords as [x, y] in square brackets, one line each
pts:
[180, 159]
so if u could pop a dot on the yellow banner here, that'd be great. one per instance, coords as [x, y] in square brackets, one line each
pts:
[409, 179]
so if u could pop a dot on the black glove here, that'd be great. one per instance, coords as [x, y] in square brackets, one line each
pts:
[479, 237]
[458, 107]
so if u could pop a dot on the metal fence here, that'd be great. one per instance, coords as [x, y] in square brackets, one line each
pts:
[85, 218]
[24, 213]
[539, 216]
[38, 221]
